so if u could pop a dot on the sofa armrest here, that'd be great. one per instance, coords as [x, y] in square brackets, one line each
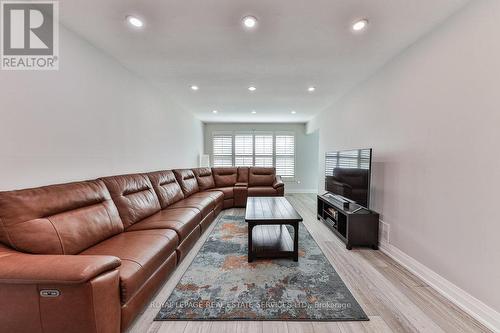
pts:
[241, 185]
[22, 268]
[84, 289]
[278, 182]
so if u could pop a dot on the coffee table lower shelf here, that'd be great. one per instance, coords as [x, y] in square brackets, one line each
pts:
[272, 242]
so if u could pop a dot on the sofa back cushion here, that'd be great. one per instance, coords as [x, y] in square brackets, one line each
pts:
[261, 176]
[134, 197]
[204, 178]
[166, 187]
[225, 177]
[243, 174]
[187, 181]
[58, 219]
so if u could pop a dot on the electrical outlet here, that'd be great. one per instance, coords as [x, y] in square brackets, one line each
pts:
[384, 230]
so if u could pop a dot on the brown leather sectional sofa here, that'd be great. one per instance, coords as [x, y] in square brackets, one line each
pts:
[88, 256]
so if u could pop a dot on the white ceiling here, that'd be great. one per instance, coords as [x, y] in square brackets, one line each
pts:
[297, 43]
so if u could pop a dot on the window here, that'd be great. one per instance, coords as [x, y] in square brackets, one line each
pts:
[243, 150]
[285, 155]
[262, 149]
[223, 150]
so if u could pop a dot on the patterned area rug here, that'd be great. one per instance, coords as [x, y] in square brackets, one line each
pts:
[221, 285]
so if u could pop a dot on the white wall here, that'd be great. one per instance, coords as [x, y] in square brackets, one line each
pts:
[89, 119]
[306, 154]
[432, 116]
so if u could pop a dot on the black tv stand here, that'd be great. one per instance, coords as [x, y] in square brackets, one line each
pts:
[355, 226]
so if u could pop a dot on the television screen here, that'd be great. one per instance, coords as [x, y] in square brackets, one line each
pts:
[348, 173]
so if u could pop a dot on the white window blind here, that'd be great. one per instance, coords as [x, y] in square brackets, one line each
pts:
[222, 149]
[264, 150]
[285, 155]
[243, 150]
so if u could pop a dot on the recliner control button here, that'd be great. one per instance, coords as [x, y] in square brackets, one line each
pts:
[50, 293]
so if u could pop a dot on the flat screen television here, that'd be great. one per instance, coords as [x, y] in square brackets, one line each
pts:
[348, 174]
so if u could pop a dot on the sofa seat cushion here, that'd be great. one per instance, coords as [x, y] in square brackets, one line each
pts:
[227, 191]
[217, 196]
[205, 204]
[141, 253]
[262, 191]
[182, 220]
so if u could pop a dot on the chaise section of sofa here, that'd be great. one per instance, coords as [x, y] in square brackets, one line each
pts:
[147, 259]
[184, 220]
[148, 255]
[82, 293]
[42, 275]
[209, 204]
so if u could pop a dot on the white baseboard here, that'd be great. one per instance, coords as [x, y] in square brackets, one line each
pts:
[300, 191]
[468, 303]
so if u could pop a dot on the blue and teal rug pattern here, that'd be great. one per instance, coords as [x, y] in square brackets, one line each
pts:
[221, 285]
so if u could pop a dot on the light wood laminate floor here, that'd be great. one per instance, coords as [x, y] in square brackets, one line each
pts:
[394, 299]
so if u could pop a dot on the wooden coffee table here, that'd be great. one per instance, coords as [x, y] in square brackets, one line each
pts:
[268, 236]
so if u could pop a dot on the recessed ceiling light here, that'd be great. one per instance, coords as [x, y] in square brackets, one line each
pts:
[294, 112]
[215, 111]
[134, 21]
[311, 89]
[360, 25]
[254, 112]
[252, 88]
[249, 22]
[195, 88]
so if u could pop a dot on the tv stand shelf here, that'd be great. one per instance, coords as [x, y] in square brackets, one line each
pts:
[355, 226]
